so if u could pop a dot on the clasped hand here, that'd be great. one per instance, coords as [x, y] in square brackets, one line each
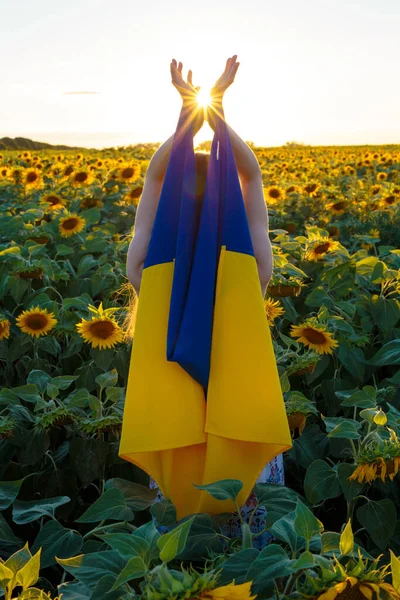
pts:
[189, 92]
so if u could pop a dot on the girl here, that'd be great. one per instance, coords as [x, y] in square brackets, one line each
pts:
[252, 190]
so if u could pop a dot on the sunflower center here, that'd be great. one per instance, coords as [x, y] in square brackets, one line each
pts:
[70, 223]
[53, 199]
[321, 248]
[68, 170]
[31, 177]
[102, 329]
[3, 328]
[339, 205]
[350, 593]
[314, 336]
[311, 188]
[128, 173]
[389, 200]
[81, 177]
[274, 193]
[37, 322]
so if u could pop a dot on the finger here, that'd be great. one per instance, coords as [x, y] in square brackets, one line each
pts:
[189, 77]
[180, 67]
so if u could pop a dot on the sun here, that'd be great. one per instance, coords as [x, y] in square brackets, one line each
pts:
[203, 98]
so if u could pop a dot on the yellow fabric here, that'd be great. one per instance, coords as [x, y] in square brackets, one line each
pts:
[169, 430]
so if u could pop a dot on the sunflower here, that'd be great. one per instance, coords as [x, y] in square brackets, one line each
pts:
[338, 207]
[70, 225]
[81, 178]
[375, 189]
[389, 200]
[311, 189]
[229, 592]
[128, 172]
[55, 202]
[5, 172]
[102, 331]
[4, 328]
[380, 467]
[273, 309]
[68, 170]
[382, 176]
[132, 197]
[273, 194]
[36, 321]
[314, 336]
[319, 248]
[32, 178]
[353, 588]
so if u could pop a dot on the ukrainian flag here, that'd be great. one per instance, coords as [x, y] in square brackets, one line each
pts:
[203, 399]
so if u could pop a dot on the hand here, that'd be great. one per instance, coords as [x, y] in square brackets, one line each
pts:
[185, 88]
[218, 90]
[188, 93]
[226, 79]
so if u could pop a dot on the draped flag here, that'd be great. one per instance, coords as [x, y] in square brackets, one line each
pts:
[203, 398]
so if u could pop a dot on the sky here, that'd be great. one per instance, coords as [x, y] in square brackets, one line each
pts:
[97, 73]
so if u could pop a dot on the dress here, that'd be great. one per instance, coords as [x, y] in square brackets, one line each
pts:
[273, 472]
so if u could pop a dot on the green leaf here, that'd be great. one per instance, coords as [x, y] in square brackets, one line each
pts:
[203, 539]
[7, 535]
[73, 590]
[283, 529]
[352, 360]
[164, 512]
[90, 568]
[278, 499]
[389, 354]
[385, 312]
[29, 574]
[339, 427]
[26, 511]
[63, 250]
[321, 482]
[107, 379]
[28, 392]
[379, 519]
[305, 561]
[56, 540]
[127, 545]
[135, 568]
[173, 543]
[352, 488]
[102, 591]
[8, 492]
[306, 523]
[50, 345]
[40, 379]
[346, 542]
[236, 566]
[223, 489]
[111, 505]
[138, 497]
[365, 398]
[62, 382]
[16, 561]
[271, 563]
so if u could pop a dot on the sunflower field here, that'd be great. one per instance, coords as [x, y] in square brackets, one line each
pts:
[76, 521]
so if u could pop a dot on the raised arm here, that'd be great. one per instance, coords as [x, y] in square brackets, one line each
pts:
[250, 178]
[155, 174]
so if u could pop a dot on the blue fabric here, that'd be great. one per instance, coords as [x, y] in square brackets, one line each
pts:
[190, 233]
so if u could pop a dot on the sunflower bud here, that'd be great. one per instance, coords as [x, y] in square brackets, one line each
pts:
[380, 417]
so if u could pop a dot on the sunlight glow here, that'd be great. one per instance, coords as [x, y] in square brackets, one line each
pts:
[204, 97]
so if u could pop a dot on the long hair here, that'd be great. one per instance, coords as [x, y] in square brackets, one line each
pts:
[132, 303]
